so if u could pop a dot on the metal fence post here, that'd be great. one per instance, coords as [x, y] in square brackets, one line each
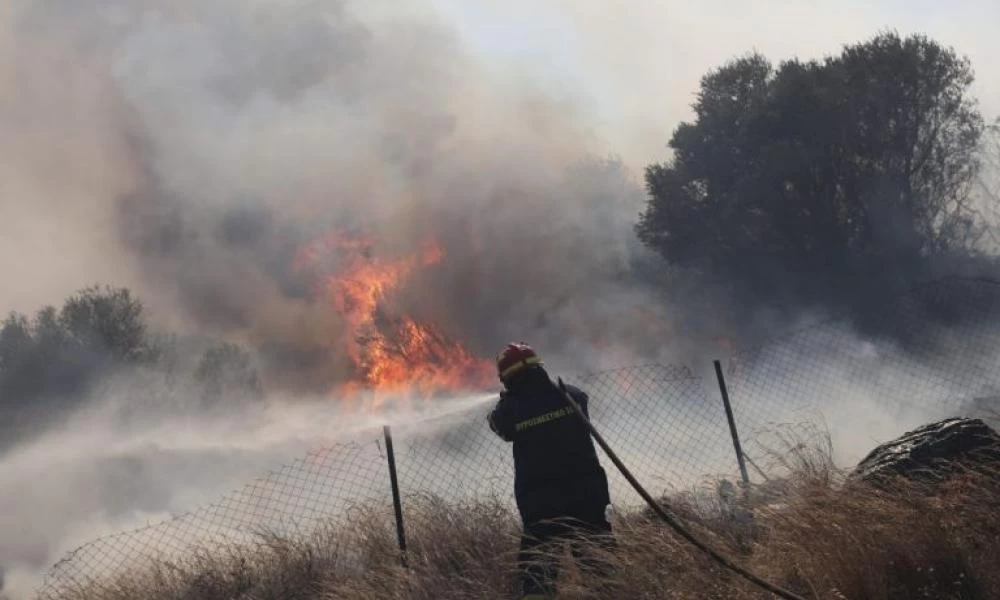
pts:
[396, 503]
[732, 423]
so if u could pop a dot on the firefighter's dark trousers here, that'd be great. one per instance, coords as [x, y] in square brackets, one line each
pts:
[541, 542]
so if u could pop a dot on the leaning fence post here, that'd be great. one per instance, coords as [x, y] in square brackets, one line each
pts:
[396, 503]
[732, 423]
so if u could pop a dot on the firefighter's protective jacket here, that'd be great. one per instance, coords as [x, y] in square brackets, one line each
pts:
[555, 461]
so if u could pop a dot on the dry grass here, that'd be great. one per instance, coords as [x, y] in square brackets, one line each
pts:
[821, 539]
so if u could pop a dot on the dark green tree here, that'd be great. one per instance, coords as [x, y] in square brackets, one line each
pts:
[796, 178]
[108, 321]
[56, 355]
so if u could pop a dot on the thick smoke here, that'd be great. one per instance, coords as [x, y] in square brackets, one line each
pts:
[100, 474]
[236, 133]
[199, 146]
[189, 150]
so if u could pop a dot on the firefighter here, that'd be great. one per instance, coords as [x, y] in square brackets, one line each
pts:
[559, 485]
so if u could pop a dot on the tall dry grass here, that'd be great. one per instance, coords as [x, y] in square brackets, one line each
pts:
[809, 533]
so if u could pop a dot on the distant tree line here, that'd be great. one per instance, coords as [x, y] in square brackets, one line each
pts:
[50, 362]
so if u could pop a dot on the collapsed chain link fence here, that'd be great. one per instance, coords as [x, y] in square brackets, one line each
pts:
[934, 352]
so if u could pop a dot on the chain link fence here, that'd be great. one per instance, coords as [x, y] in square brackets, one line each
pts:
[929, 354]
[290, 502]
[660, 419]
[933, 353]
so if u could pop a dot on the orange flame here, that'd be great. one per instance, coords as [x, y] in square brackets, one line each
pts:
[392, 356]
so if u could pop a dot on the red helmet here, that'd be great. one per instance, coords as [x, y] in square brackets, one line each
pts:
[514, 358]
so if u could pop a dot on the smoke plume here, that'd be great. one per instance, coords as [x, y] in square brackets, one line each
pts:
[190, 150]
[209, 142]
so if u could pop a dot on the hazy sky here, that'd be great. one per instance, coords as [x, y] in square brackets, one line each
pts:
[627, 70]
[638, 62]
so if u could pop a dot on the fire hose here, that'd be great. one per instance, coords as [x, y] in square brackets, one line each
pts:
[667, 518]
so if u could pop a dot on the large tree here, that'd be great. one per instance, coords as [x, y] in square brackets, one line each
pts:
[858, 163]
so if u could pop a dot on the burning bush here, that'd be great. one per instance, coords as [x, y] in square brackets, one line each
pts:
[391, 354]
